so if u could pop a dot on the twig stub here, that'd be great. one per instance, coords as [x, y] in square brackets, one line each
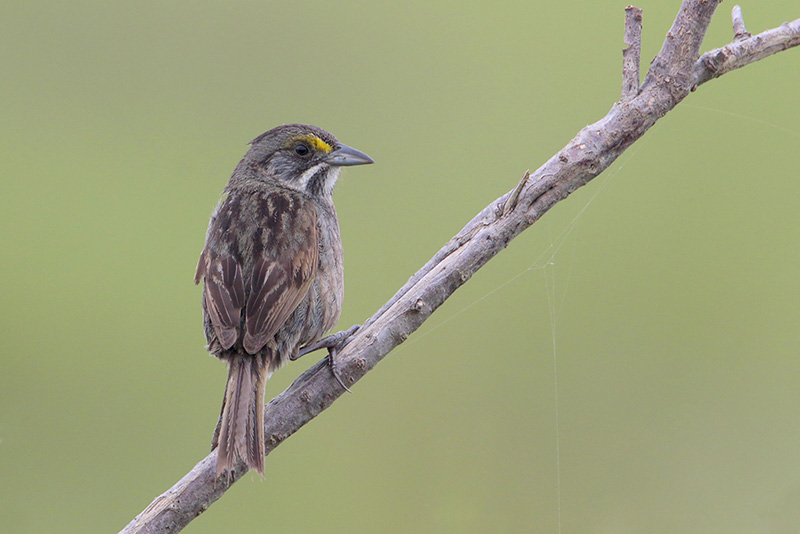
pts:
[632, 53]
[511, 202]
[739, 31]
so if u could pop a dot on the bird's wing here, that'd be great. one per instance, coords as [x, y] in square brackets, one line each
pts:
[285, 255]
[224, 294]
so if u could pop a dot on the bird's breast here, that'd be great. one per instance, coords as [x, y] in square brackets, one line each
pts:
[329, 280]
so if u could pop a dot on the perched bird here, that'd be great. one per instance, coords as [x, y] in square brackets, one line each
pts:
[272, 272]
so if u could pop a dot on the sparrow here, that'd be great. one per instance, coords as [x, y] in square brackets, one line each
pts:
[272, 272]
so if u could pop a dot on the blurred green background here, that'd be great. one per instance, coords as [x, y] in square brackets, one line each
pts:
[666, 291]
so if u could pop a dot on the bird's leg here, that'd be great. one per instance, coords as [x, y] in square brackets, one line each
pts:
[334, 343]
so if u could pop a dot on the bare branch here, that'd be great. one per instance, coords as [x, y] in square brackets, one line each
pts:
[739, 31]
[717, 62]
[673, 73]
[632, 53]
[683, 40]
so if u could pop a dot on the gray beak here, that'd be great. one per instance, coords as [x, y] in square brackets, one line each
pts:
[345, 156]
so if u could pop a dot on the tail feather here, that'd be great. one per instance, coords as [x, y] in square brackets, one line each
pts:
[241, 426]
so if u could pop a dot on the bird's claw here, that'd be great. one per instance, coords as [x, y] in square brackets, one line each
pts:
[332, 362]
[334, 343]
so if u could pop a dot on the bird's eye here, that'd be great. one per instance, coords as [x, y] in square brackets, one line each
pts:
[301, 150]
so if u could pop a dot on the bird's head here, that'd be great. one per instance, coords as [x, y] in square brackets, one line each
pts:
[303, 157]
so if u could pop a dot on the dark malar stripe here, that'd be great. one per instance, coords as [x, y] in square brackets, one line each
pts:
[316, 184]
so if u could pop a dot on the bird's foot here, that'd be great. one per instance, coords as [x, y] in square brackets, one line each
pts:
[334, 343]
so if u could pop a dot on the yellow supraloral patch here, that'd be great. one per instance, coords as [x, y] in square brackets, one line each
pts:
[313, 142]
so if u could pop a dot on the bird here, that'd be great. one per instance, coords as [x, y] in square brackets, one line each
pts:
[272, 273]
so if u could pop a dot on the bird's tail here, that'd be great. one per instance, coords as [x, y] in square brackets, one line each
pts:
[240, 432]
